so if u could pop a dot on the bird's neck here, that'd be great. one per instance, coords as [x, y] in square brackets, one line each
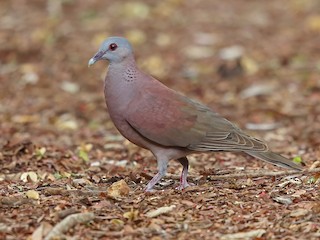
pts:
[122, 75]
[120, 85]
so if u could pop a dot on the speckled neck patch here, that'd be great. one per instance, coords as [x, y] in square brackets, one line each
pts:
[130, 74]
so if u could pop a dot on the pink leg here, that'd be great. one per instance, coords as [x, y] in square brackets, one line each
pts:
[183, 179]
[153, 182]
[162, 169]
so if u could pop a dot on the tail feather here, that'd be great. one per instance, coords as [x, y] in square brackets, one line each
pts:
[275, 159]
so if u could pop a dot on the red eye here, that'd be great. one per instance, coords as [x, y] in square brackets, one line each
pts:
[113, 46]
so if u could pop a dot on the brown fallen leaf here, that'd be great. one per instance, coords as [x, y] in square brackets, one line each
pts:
[118, 189]
[155, 226]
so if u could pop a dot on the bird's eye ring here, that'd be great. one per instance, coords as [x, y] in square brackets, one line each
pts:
[113, 46]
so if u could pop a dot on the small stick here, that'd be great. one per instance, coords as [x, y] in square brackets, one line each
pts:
[68, 223]
[263, 174]
[251, 174]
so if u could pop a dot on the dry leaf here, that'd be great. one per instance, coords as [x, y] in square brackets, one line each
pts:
[32, 194]
[198, 52]
[27, 176]
[118, 189]
[69, 222]
[250, 66]
[283, 199]
[70, 87]
[25, 118]
[299, 212]
[159, 211]
[132, 215]
[66, 122]
[244, 235]
[41, 231]
[231, 53]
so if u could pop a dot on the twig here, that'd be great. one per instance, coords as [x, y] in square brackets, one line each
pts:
[251, 174]
[68, 223]
[263, 174]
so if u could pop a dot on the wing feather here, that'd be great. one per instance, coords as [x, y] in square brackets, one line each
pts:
[170, 119]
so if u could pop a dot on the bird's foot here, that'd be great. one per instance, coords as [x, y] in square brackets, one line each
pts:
[149, 190]
[184, 185]
[153, 181]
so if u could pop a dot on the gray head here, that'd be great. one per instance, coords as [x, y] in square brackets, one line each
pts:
[113, 49]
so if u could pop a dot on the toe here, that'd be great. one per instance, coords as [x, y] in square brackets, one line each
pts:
[185, 185]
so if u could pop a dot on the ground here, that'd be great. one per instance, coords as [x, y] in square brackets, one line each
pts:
[255, 62]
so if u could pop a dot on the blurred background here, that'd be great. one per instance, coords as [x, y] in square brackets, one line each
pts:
[255, 62]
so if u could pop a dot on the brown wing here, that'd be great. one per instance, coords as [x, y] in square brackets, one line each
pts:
[170, 119]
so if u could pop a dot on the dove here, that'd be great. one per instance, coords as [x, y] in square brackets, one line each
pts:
[165, 122]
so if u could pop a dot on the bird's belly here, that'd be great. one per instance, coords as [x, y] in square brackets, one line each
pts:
[128, 132]
[133, 136]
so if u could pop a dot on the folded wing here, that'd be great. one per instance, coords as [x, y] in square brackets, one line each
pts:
[170, 119]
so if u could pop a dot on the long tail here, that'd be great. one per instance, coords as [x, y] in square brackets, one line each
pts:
[275, 159]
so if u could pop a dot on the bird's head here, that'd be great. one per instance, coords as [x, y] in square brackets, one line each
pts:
[113, 49]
